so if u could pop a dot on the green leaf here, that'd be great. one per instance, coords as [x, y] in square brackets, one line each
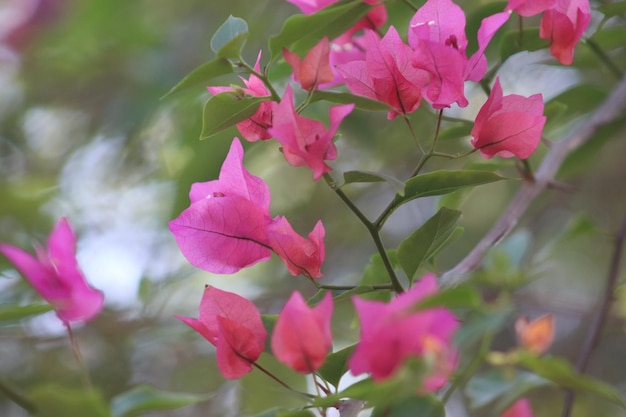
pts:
[336, 365]
[500, 387]
[225, 110]
[301, 32]
[610, 37]
[612, 9]
[578, 100]
[269, 321]
[376, 274]
[562, 373]
[456, 132]
[229, 39]
[442, 182]
[12, 312]
[202, 75]
[281, 412]
[531, 41]
[462, 296]
[53, 400]
[360, 102]
[369, 176]
[426, 241]
[146, 398]
[481, 323]
[426, 406]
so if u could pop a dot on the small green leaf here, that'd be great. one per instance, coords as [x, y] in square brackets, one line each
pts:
[456, 132]
[442, 182]
[480, 323]
[612, 9]
[224, 110]
[53, 400]
[202, 75]
[426, 406]
[610, 37]
[229, 39]
[269, 321]
[426, 241]
[12, 312]
[336, 365]
[461, 296]
[376, 274]
[360, 102]
[531, 41]
[562, 373]
[369, 176]
[500, 387]
[146, 398]
[301, 32]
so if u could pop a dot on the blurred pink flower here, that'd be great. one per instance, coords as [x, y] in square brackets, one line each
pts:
[314, 69]
[306, 141]
[228, 226]
[520, 408]
[233, 325]
[562, 24]
[255, 127]
[56, 276]
[508, 125]
[301, 337]
[386, 73]
[393, 332]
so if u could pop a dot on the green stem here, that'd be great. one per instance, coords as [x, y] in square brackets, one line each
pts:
[606, 60]
[413, 135]
[17, 398]
[351, 287]
[278, 380]
[79, 358]
[372, 229]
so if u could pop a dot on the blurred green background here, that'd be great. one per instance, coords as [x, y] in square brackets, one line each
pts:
[83, 134]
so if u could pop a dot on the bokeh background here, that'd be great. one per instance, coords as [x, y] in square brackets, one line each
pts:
[84, 134]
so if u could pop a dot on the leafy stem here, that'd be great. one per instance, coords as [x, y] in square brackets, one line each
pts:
[372, 229]
[604, 310]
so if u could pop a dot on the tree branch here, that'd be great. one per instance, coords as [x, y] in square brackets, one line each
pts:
[604, 309]
[610, 110]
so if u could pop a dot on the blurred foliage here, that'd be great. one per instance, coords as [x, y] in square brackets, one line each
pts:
[83, 133]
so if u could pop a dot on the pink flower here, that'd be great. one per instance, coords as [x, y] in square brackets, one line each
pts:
[302, 337]
[508, 126]
[520, 408]
[346, 47]
[563, 23]
[306, 141]
[225, 227]
[255, 127]
[393, 332]
[56, 276]
[233, 325]
[301, 256]
[228, 226]
[437, 35]
[314, 69]
[386, 74]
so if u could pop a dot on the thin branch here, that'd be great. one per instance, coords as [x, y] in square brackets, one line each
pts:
[610, 110]
[604, 310]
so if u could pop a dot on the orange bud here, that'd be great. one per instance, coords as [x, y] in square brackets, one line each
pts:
[536, 335]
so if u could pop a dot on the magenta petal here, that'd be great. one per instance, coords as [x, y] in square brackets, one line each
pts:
[301, 337]
[511, 133]
[301, 256]
[222, 234]
[477, 64]
[439, 21]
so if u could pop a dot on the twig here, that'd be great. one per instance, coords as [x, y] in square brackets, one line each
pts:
[611, 109]
[604, 309]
